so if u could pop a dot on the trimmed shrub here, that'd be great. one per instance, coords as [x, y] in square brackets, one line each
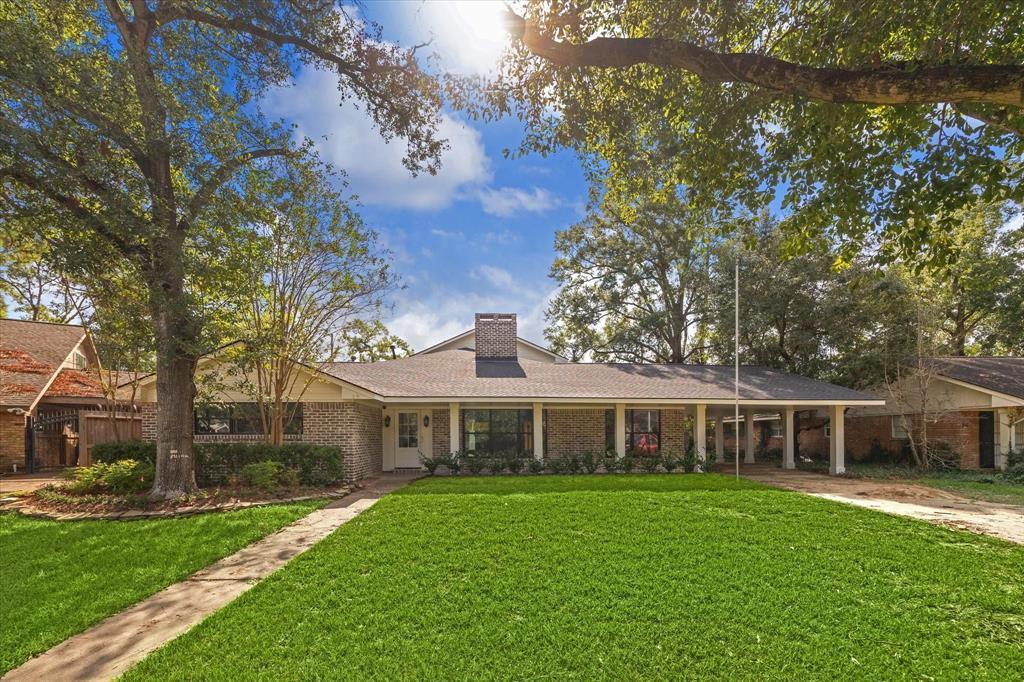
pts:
[114, 451]
[535, 466]
[626, 464]
[610, 463]
[455, 462]
[649, 463]
[265, 474]
[496, 464]
[317, 465]
[474, 463]
[514, 462]
[1015, 466]
[669, 463]
[556, 465]
[431, 463]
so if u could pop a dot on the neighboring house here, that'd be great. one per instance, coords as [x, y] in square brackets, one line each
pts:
[52, 407]
[487, 390]
[976, 405]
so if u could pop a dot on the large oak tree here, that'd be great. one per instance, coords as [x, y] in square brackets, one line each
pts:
[137, 125]
[857, 117]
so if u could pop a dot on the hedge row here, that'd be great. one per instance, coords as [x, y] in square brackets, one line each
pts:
[215, 462]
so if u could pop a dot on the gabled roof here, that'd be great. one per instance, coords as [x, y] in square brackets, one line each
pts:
[468, 339]
[30, 355]
[74, 383]
[457, 374]
[1001, 375]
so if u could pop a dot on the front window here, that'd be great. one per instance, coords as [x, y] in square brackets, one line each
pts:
[776, 429]
[643, 431]
[79, 361]
[240, 419]
[492, 431]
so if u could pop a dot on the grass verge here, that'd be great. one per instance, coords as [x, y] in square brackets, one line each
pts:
[60, 577]
[988, 486]
[616, 577]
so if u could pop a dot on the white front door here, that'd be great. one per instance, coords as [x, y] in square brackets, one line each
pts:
[408, 448]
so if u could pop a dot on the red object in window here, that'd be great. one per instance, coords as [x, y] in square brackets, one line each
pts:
[646, 446]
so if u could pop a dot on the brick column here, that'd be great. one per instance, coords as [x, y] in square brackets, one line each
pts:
[148, 414]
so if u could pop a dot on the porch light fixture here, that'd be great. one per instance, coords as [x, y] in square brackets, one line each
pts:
[387, 421]
[426, 420]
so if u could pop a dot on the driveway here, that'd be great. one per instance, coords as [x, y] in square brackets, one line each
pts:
[902, 498]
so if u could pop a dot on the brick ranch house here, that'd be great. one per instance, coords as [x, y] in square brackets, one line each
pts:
[52, 406]
[487, 390]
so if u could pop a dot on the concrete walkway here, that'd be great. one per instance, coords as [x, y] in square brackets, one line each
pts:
[902, 498]
[110, 647]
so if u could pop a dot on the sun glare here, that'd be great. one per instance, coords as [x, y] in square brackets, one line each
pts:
[471, 32]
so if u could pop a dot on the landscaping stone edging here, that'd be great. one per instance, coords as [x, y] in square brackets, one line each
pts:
[26, 508]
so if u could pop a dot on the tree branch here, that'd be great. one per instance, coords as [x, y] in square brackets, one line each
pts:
[1000, 84]
[223, 173]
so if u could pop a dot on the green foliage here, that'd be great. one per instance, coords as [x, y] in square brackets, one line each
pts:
[556, 465]
[688, 460]
[474, 463]
[1015, 466]
[649, 462]
[627, 462]
[370, 341]
[265, 474]
[112, 451]
[610, 462]
[431, 463]
[535, 466]
[514, 462]
[590, 462]
[125, 476]
[670, 463]
[316, 465]
[841, 170]
[496, 464]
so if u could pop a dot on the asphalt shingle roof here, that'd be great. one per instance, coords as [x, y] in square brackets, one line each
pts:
[457, 373]
[1003, 375]
[30, 352]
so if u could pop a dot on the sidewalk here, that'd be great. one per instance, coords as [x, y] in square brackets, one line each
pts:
[110, 647]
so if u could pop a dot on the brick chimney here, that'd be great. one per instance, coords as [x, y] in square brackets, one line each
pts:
[495, 336]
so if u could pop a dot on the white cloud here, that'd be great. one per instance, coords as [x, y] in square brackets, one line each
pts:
[495, 276]
[507, 201]
[504, 238]
[447, 234]
[346, 137]
[468, 36]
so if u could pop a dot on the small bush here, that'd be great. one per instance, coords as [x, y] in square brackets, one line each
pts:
[474, 463]
[590, 462]
[126, 476]
[115, 451]
[514, 462]
[572, 465]
[496, 464]
[556, 465]
[649, 463]
[317, 465]
[669, 463]
[610, 463]
[627, 463]
[265, 474]
[431, 463]
[1015, 466]
[455, 462]
[688, 460]
[289, 478]
[535, 466]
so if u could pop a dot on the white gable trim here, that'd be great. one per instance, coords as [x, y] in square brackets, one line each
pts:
[1011, 400]
[470, 332]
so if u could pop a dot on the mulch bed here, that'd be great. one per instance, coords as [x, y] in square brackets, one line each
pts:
[64, 507]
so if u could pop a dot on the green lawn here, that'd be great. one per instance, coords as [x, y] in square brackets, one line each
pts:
[616, 577]
[59, 577]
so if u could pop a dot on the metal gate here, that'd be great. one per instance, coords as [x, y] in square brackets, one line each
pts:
[52, 440]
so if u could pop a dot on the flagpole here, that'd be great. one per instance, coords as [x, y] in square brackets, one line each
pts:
[736, 381]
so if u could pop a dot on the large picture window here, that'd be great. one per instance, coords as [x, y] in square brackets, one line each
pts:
[239, 419]
[643, 431]
[491, 431]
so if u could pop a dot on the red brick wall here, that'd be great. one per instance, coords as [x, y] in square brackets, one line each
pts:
[440, 421]
[958, 429]
[353, 427]
[496, 335]
[12, 441]
[675, 432]
[575, 432]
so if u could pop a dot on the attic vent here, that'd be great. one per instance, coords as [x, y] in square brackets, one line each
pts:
[496, 336]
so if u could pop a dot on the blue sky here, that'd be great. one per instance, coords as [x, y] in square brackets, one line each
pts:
[479, 235]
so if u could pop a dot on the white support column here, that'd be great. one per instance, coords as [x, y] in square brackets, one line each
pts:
[788, 443]
[748, 449]
[719, 439]
[837, 441]
[620, 430]
[1004, 432]
[538, 430]
[700, 435]
[454, 433]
